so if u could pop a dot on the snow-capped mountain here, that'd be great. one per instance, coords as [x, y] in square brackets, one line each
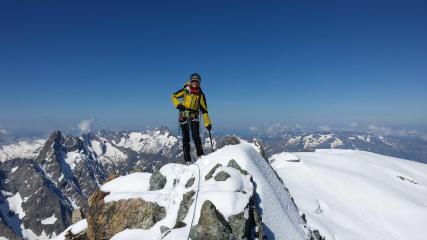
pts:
[45, 181]
[412, 148]
[21, 149]
[64, 170]
[350, 194]
[208, 200]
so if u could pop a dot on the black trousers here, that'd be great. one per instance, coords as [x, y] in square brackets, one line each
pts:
[192, 126]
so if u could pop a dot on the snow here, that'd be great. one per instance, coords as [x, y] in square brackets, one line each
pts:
[21, 149]
[230, 197]
[221, 194]
[72, 158]
[6, 193]
[14, 169]
[336, 143]
[285, 156]
[76, 228]
[311, 142]
[15, 203]
[50, 220]
[126, 184]
[111, 153]
[350, 194]
[150, 142]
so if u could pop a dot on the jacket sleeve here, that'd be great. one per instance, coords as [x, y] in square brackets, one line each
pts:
[204, 109]
[178, 94]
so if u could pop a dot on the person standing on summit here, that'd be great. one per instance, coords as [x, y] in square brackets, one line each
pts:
[193, 101]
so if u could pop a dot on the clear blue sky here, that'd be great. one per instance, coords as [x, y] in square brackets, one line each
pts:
[261, 61]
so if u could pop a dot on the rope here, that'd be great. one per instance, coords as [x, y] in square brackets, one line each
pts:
[195, 202]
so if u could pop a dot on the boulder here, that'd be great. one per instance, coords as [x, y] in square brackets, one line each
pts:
[211, 225]
[232, 163]
[107, 219]
[157, 181]
[185, 204]
[222, 176]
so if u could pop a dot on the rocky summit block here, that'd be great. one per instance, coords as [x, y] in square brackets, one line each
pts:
[107, 219]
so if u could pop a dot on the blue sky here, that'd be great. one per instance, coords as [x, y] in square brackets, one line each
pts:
[261, 62]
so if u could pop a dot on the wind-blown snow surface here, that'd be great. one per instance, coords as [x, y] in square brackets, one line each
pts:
[350, 194]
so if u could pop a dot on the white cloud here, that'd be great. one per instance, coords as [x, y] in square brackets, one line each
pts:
[4, 131]
[254, 129]
[85, 125]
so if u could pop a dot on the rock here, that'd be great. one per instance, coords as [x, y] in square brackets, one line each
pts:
[222, 176]
[212, 171]
[260, 148]
[232, 163]
[107, 219]
[211, 225]
[180, 224]
[240, 225]
[157, 181]
[80, 236]
[185, 205]
[77, 215]
[232, 140]
[190, 182]
[164, 230]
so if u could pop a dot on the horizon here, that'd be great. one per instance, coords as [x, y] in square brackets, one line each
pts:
[334, 63]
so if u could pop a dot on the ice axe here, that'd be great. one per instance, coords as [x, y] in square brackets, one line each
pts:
[210, 137]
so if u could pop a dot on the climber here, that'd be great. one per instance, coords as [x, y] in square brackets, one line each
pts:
[193, 101]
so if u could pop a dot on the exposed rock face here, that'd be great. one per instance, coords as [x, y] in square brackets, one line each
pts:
[80, 236]
[70, 166]
[211, 225]
[190, 182]
[41, 198]
[222, 176]
[186, 202]
[157, 181]
[107, 219]
[77, 215]
[212, 171]
[228, 140]
[232, 163]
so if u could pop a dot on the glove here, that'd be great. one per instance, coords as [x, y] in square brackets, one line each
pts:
[209, 127]
[180, 107]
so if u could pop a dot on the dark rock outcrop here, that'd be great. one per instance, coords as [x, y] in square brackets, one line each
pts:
[212, 171]
[211, 225]
[185, 204]
[232, 163]
[222, 176]
[157, 181]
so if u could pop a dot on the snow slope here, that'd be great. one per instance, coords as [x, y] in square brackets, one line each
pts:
[279, 214]
[350, 194]
[21, 149]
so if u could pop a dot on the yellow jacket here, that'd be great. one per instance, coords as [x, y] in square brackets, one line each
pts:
[193, 102]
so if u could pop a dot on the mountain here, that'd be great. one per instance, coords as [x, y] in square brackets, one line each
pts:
[224, 195]
[412, 148]
[44, 182]
[64, 171]
[350, 194]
